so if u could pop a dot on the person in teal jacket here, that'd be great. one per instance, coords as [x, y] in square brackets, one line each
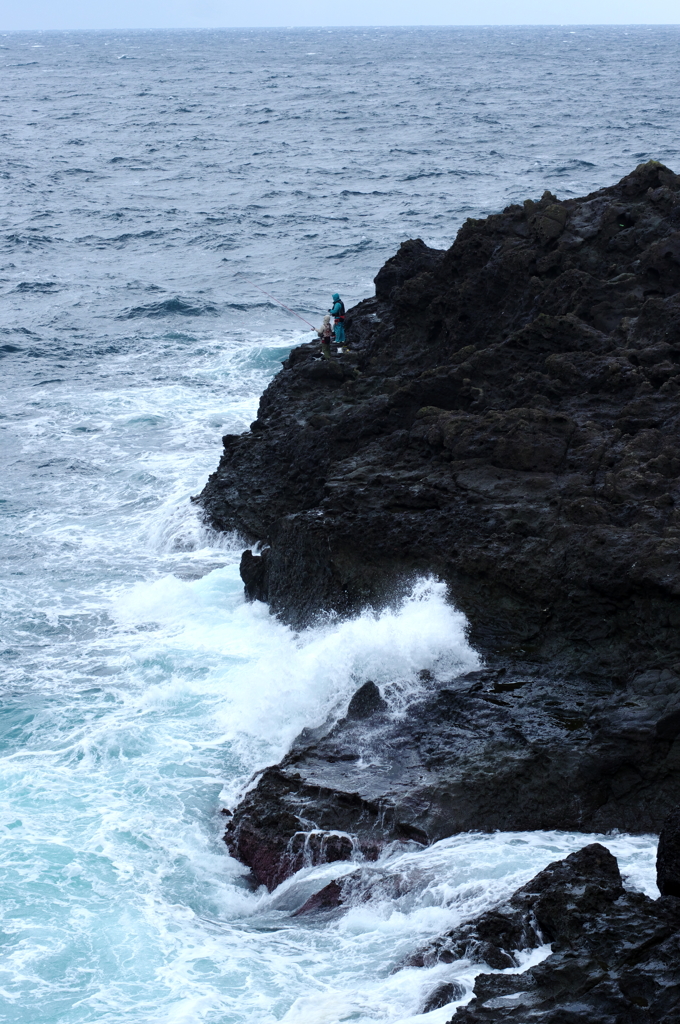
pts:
[337, 310]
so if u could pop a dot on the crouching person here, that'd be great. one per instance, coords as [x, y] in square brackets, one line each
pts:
[325, 332]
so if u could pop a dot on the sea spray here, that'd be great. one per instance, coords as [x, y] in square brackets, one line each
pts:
[268, 682]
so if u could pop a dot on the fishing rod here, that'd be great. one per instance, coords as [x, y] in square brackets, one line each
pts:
[240, 274]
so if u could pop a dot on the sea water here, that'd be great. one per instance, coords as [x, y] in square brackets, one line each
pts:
[150, 181]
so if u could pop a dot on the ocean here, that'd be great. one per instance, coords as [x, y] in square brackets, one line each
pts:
[151, 183]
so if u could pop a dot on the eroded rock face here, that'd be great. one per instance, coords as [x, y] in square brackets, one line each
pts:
[509, 421]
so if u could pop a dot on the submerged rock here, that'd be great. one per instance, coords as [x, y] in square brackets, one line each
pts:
[444, 994]
[328, 898]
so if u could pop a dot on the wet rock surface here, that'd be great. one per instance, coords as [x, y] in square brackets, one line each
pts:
[489, 750]
[366, 702]
[507, 420]
[615, 954]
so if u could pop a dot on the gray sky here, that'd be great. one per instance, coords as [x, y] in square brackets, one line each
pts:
[73, 14]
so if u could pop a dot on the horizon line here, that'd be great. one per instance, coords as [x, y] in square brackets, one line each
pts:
[345, 28]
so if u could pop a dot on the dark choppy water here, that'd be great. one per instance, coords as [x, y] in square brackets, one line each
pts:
[141, 173]
[134, 165]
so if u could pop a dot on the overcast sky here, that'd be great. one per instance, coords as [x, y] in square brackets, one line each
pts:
[73, 14]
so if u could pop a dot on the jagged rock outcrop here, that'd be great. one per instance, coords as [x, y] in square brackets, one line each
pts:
[509, 421]
[607, 953]
[615, 954]
[489, 750]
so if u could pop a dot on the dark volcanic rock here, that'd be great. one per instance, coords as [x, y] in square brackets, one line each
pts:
[482, 752]
[563, 902]
[668, 857]
[442, 996]
[413, 258]
[508, 420]
[366, 702]
[615, 954]
[328, 898]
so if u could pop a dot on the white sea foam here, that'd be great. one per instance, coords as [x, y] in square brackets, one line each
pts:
[266, 682]
[111, 795]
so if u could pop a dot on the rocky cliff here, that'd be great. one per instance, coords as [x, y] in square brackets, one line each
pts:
[508, 420]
